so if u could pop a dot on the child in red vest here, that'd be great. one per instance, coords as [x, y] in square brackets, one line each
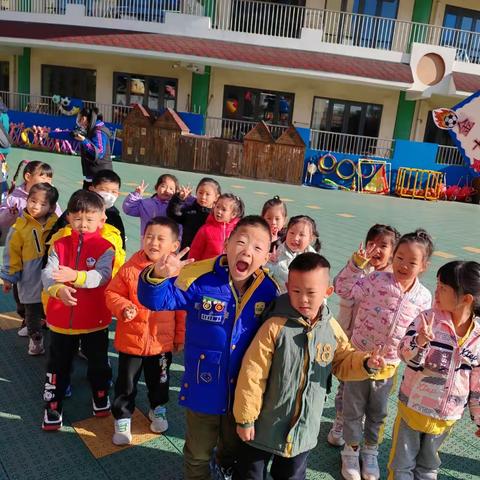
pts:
[144, 339]
[78, 270]
[210, 240]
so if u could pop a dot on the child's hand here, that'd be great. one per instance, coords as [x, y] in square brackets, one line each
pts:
[273, 257]
[130, 312]
[13, 210]
[64, 274]
[184, 192]
[376, 360]
[178, 347]
[246, 434]
[366, 254]
[7, 286]
[425, 330]
[170, 265]
[141, 188]
[65, 294]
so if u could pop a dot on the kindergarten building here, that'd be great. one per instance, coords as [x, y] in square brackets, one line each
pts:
[359, 75]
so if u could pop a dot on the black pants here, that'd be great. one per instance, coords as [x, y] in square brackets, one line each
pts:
[62, 350]
[156, 369]
[33, 318]
[252, 465]
[20, 306]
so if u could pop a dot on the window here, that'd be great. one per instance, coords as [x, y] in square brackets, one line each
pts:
[69, 82]
[467, 41]
[4, 76]
[156, 93]
[433, 134]
[241, 103]
[346, 117]
[374, 32]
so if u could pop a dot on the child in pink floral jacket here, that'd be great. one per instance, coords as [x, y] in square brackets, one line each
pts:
[442, 353]
[388, 302]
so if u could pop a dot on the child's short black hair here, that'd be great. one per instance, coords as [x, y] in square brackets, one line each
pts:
[383, 230]
[164, 222]
[276, 201]
[253, 221]
[167, 176]
[238, 207]
[106, 176]
[85, 201]
[306, 262]
[464, 278]
[51, 193]
[212, 181]
[421, 237]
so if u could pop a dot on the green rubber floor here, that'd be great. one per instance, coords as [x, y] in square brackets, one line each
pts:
[342, 218]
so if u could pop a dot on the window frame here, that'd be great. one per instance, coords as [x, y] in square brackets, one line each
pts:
[70, 69]
[348, 104]
[5, 88]
[257, 110]
[146, 78]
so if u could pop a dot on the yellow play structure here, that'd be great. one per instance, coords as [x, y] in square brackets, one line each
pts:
[418, 183]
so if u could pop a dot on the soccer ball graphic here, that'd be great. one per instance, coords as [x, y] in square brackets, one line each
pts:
[450, 120]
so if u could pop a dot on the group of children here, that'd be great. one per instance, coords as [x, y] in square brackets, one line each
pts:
[257, 365]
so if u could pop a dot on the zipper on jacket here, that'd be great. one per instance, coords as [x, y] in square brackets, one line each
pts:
[451, 371]
[77, 261]
[394, 322]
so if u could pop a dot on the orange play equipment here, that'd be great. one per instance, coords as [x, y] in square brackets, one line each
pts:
[418, 183]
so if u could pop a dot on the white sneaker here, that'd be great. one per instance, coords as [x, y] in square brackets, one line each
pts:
[335, 435]
[370, 470]
[159, 419]
[35, 346]
[122, 435]
[23, 332]
[350, 463]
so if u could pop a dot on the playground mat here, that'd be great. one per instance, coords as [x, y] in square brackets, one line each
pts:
[82, 449]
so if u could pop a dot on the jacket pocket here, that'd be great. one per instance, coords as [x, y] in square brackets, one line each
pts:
[206, 364]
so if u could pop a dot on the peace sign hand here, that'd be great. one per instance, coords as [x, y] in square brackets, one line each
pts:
[425, 330]
[366, 254]
[376, 360]
[184, 192]
[169, 265]
[141, 188]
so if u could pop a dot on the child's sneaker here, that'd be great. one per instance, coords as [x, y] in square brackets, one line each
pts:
[122, 435]
[35, 346]
[222, 473]
[335, 435]
[159, 419]
[52, 418]
[368, 456]
[101, 404]
[23, 331]
[350, 463]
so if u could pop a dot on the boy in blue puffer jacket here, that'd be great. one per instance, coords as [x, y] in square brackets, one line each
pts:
[224, 298]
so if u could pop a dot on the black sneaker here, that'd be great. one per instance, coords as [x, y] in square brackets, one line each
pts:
[52, 418]
[101, 404]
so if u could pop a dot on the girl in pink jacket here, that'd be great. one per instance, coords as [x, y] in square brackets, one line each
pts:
[388, 302]
[442, 353]
[210, 240]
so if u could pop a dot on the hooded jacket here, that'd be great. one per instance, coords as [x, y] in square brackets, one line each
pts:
[219, 326]
[190, 215]
[444, 376]
[282, 382]
[210, 240]
[384, 310]
[149, 333]
[95, 151]
[92, 256]
[18, 199]
[23, 254]
[145, 208]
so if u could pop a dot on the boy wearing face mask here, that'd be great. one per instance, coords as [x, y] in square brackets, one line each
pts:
[107, 184]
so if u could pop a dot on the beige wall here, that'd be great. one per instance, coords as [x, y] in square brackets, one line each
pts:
[438, 10]
[305, 90]
[105, 65]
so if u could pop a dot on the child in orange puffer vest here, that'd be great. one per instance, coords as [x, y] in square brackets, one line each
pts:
[145, 339]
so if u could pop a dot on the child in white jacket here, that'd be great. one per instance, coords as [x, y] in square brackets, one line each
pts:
[301, 237]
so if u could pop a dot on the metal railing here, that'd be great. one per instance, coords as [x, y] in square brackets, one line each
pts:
[352, 144]
[275, 19]
[236, 129]
[449, 155]
[44, 104]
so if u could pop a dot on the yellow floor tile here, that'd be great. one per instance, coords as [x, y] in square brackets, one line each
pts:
[97, 433]
[10, 320]
[238, 186]
[261, 193]
[314, 207]
[283, 199]
[345, 215]
[472, 249]
[441, 254]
